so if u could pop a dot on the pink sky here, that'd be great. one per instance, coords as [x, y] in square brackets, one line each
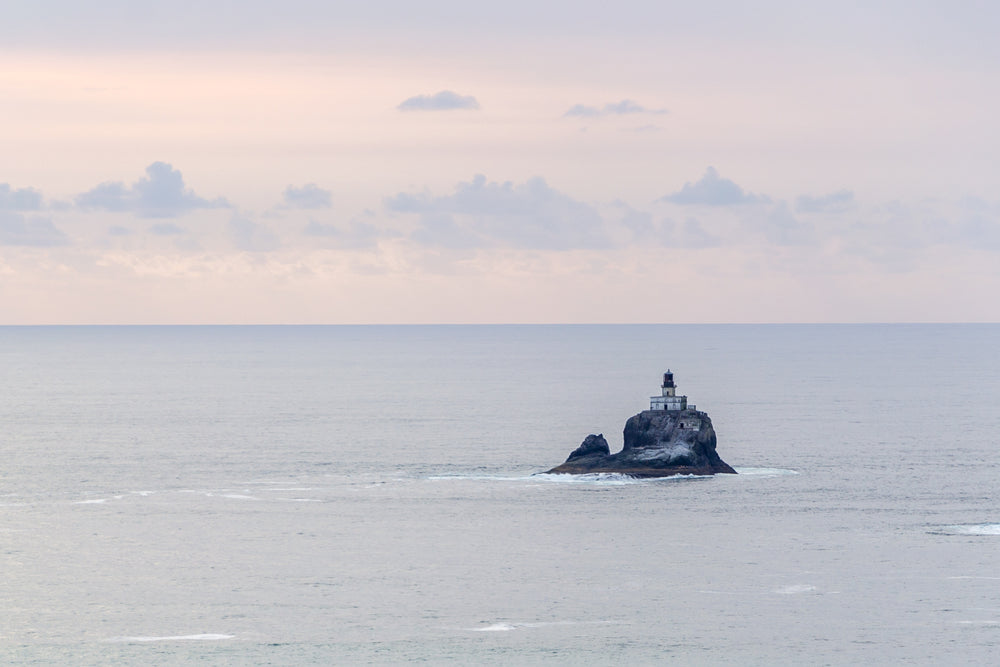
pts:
[548, 163]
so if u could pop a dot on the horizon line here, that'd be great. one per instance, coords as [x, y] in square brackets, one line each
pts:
[488, 324]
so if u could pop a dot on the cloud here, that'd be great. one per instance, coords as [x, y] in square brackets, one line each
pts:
[960, 226]
[251, 236]
[835, 202]
[161, 194]
[713, 190]
[693, 235]
[977, 231]
[639, 224]
[441, 229]
[118, 230]
[22, 199]
[17, 229]
[166, 229]
[895, 229]
[643, 129]
[481, 213]
[780, 227]
[309, 195]
[642, 230]
[358, 234]
[973, 203]
[610, 109]
[442, 101]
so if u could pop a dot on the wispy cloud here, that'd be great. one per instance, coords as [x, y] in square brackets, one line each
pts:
[622, 108]
[482, 213]
[166, 229]
[309, 196]
[22, 199]
[445, 100]
[835, 202]
[355, 235]
[20, 230]
[251, 236]
[780, 227]
[161, 194]
[693, 235]
[643, 129]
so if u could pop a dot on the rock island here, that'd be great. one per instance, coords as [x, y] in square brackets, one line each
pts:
[671, 438]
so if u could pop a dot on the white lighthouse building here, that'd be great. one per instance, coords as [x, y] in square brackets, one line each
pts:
[669, 400]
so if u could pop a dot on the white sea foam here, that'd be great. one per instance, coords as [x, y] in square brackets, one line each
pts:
[616, 479]
[507, 627]
[764, 472]
[601, 478]
[610, 478]
[496, 627]
[94, 501]
[971, 529]
[978, 622]
[173, 638]
[476, 478]
[796, 589]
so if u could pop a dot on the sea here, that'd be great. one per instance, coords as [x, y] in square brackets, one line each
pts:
[320, 495]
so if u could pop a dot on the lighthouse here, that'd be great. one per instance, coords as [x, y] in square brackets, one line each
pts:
[668, 398]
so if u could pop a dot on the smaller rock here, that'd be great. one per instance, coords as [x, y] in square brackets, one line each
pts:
[592, 444]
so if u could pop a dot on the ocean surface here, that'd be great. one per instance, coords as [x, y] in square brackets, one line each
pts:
[370, 494]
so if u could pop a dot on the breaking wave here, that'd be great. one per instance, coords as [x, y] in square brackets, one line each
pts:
[496, 627]
[610, 478]
[796, 589]
[174, 638]
[604, 478]
[507, 627]
[599, 478]
[970, 529]
[764, 472]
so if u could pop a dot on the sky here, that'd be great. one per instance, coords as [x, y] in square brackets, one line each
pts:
[215, 162]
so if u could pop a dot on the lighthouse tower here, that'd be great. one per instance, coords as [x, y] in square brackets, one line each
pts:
[668, 400]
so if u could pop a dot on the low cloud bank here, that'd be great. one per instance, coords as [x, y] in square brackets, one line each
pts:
[485, 213]
[17, 229]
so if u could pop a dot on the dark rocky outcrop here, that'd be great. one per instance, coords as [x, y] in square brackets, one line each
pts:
[592, 445]
[658, 443]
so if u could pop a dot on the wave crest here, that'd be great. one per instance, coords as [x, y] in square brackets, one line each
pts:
[970, 529]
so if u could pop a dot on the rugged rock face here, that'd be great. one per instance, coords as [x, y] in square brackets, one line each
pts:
[658, 443]
[592, 445]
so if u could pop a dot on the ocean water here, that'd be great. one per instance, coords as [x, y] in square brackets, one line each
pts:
[341, 495]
